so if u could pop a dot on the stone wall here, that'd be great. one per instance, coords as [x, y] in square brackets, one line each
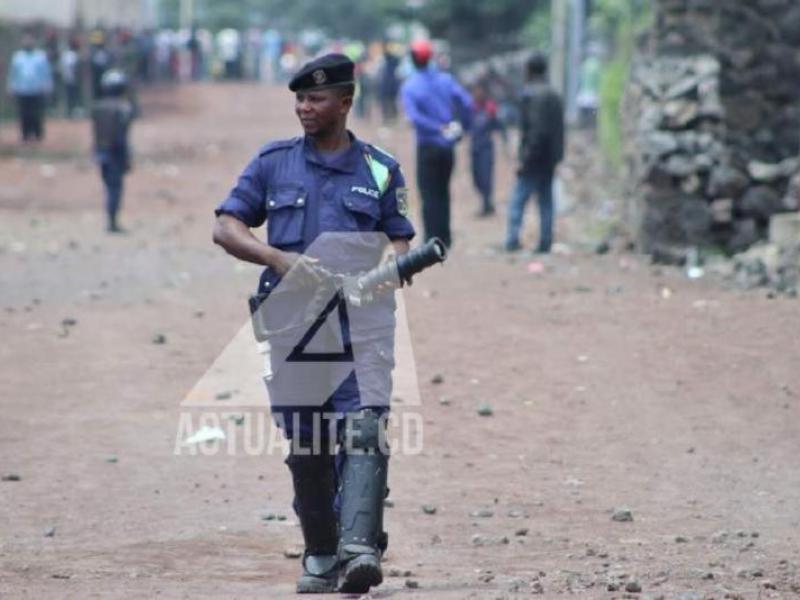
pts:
[712, 117]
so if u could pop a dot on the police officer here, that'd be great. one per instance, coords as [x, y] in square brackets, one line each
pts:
[111, 117]
[440, 110]
[323, 182]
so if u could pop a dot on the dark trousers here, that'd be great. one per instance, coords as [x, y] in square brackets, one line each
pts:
[112, 170]
[483, 174]
[31, 116]
[73, 97]
[434, 168]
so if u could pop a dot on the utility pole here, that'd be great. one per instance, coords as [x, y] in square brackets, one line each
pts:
[559, 11]
[577, 27]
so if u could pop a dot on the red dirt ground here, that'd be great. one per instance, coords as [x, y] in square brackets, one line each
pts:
[613, 384]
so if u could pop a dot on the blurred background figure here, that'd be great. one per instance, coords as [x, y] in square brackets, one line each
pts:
[389, 84]
[127, 59]
[440, 110]
[482, 155]
[53, 51]
[230, 52]
[365, 85]
[100, 59]
[111, 117]
[541, 148]
[271, 44]
[30, 80]
[71, 76]
[196, 55]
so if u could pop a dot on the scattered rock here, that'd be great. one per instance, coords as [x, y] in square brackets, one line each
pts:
[412, 584]
[112, 459]
[272, 516]
[223, 396]
[50, 532]
[437, 379]
[11, 477]
[395, 572]
[516, 585]
[485, 410]
[480, 540]
[159, 339]
[483, 513]
[522, 532]
[720, 537]
[429, 509]
[679, 539]
[292, 553]
[633, 587]
[622, 515]
[388, 503]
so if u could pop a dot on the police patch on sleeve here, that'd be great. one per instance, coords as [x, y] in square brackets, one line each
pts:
[401, 194]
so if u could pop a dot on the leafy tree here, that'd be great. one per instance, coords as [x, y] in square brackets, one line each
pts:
[477, 27]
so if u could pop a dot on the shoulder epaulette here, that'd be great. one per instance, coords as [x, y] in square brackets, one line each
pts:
[382, 154]
[278, 145]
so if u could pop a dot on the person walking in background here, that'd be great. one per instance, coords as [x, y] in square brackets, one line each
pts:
[70, 68]
[541, 148]
[389, 83]
[100, 59]
[30, 80]
[440, 110]
[111, 118]
[52, 49]
[484, 123]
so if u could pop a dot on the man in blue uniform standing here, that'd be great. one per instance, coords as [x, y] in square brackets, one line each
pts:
[325, 182]
[439, 108]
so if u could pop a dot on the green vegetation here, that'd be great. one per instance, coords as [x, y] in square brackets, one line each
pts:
[465, 23]
[536, 33]
[619, 22]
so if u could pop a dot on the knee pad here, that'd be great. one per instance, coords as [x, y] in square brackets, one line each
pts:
[364, 432]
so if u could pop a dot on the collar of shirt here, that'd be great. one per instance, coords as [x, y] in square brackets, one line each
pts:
[346, 162]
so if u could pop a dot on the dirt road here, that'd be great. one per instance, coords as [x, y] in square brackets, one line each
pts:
[613, 385]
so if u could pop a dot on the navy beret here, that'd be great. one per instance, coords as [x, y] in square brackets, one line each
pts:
[326, 71]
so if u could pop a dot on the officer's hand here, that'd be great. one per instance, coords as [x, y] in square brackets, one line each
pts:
[306, 270]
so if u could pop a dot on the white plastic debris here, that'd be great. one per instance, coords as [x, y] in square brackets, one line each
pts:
[205, 434]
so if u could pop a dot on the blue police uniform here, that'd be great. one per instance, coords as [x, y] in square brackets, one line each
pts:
[301, 194]
[485, 122]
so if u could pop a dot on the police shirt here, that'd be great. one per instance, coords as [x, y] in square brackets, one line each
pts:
[301, 193]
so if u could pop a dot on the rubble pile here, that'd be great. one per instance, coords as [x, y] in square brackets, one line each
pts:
[713, 124]
[774, 263]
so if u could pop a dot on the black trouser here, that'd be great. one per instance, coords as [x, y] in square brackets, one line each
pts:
[73, 96]
[31, 116]
[434, 168]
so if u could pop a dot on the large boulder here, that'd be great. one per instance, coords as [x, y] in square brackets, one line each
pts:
[727, 182]
[760, 202]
